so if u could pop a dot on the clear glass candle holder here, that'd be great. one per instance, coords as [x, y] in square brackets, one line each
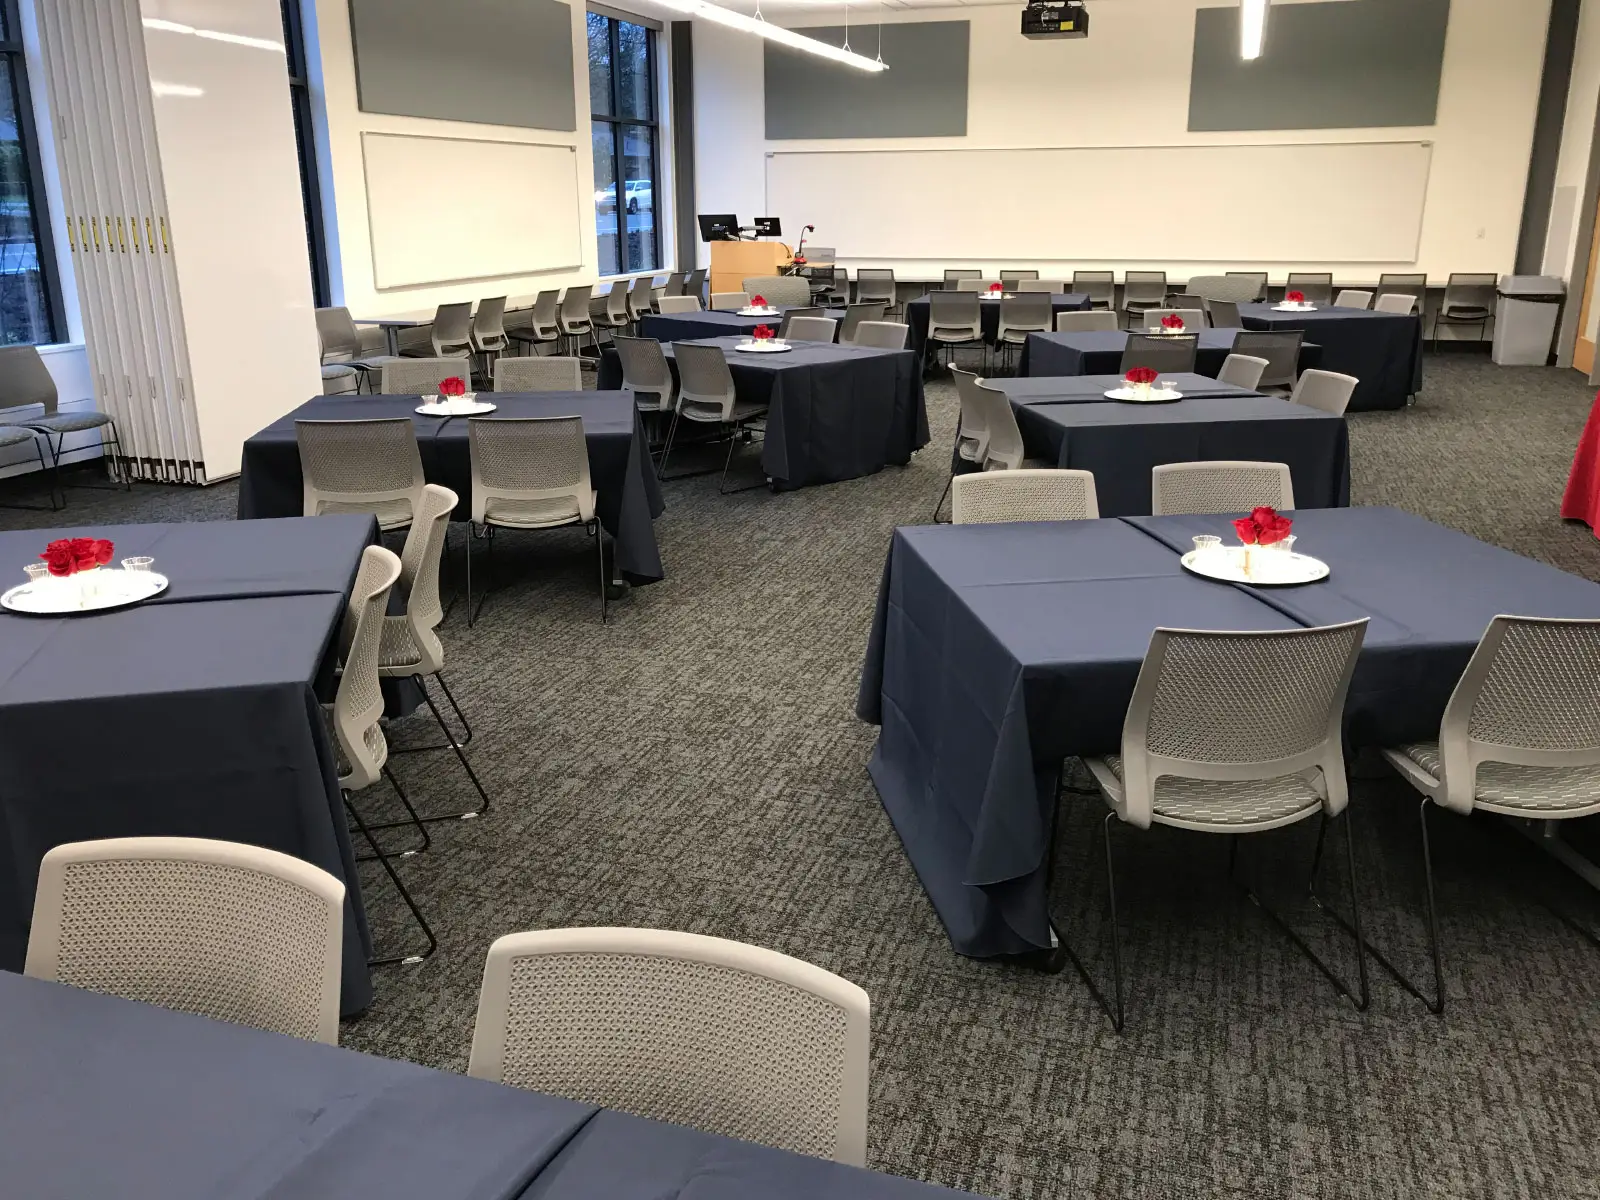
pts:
[1207, 543]
[138, 563]
[37, 572]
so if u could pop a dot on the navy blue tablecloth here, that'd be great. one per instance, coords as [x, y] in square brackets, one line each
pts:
[619, 461]
[684, 327]
[1099, 352]
[834, 412]
[917, 312]
[192, 715]
[998, 650]
[1382, 350]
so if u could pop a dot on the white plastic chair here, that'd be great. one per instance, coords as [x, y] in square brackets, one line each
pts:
[882, 335]
[1396, 302]
[1315, 286]
[856, 315]
[538, 373]
[233, 932]
[1100, 287]
[646, 374]
[1242, 371]
[1051, 286]
[1353, 298]
[573, 319]
[542, 323]
[811, 329]
[707, 396]
[489, 329]
[1328, 391]
[876, 285]
[1024, 494]
[640, 297]
[1003, 451]
[1088, 321]
[1141, 292]
[954, 319]
[449, 336]
[699, 1031]
[1224, 486]
[361, 467]
[729, 301]
[678, 304]
[418, 376]
[1020, 315]
[974, 283]
[1235, 733]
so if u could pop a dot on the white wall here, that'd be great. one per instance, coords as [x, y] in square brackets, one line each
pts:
[1127, 84]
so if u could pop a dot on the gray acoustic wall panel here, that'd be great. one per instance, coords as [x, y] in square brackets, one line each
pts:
[922, 94]
[498, 62]
[1350, 64]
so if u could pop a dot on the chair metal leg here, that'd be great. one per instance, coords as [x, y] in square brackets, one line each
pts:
[600, 546]
[411, 820]
[733, 441]
[1063, 952]
[394, 878]
[488, 538]
[1119, 1018]
[50, 481]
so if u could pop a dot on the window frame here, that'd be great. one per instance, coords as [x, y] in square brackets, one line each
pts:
[618, 124]
[294, 44]
[44, 242]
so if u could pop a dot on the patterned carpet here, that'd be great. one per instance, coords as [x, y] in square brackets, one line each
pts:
[696, 765]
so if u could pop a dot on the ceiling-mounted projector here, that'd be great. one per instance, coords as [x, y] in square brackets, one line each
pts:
[1055, 19]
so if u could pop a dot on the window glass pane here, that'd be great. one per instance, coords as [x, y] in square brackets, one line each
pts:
[633, 72]
[605, 197]
[599, 65]
[639, 171]
[24, 307]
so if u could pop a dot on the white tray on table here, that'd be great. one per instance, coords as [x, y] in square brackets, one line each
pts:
[1286, 306]
[54, 597]
[769, 346]
[1268, 567]
[458, 406]
[1130, 395]
[751, 311]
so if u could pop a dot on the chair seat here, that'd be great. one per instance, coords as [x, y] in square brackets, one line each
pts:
[518, 513]
[743, 410]
[397, 647]
[1507, 785]
[1466, 312]
[427, 351]
[391, 514]
[954, 333]
[1218, 803]
[68, 422]
[13, 435]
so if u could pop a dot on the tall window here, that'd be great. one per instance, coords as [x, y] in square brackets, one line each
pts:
[294, 43]
[622, 96]
[30, 308]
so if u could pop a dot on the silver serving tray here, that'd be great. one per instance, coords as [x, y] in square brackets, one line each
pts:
[462, 406]
[61, 597]
[1129, 395]
[1268, 568]
[770, 346]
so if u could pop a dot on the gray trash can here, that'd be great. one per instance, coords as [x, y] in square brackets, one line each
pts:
[1525, 318]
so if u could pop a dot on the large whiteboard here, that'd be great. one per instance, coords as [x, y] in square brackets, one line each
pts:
[1329, 202]
[441, 209]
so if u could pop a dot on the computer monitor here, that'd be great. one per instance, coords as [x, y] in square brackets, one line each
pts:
[719, 227]
[769, 227]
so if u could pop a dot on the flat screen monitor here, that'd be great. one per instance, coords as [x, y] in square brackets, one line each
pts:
[719, 227]
[768, 227]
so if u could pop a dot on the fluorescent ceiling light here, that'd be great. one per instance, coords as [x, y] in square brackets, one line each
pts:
[1252, 27]
[776, 33]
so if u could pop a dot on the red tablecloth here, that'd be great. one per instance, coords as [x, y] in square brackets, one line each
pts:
[1582, 500]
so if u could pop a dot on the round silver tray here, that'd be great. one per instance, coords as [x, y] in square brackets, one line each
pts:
[464, 406]
[1287, 307]
[1129, 396]
[1268, 568]
[772, 346]
[62, 598]
[768, 311]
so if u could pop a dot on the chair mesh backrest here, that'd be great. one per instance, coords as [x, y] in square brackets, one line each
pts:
[1328, 391]
[1087, 322]
[1025, 311]
[646, 1022]
[352, 461]
[452, 327]
[875, 283]
[954, 310]
[1540, 689]
[511, 455]
[1411, 285]
[1144, 287]
[488, 323]
[337, 332]
[1355, 298]
[1396, 302]
[1281, 349]
[855, 314]
[1193, 318]
[1223, 314]
[644, 367]
[358, 703]
[679, 304]
[703, 373]
[1242, 371]
[24, 379]
[1219, 487]
[1232, 288]
[882, 335]
[779, 289]
[538, 373]
[1256, 279]
[1006, 276]
[1316, 286]
[1470, 291]
[419, 376]
[1023, 495]
[726, 301]
[1005, 437]
[232, 932]
[1162, 352]
[419, 566]
[1099, 286]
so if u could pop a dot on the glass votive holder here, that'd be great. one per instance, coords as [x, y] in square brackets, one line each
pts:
[37, 572]
[1207, 543]
[139, 563]
[1167, 385]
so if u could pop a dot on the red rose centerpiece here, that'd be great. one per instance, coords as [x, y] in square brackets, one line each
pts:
[69, 556]
[758, 301]
[996, 288]
[1140, 379]
[1172, 323]
[763, 333]
[1264, 527]
[1295, 297]
[450, 389]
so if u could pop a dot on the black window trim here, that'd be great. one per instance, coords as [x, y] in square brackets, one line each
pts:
[653, 31]
[305, 134]
[44, 241]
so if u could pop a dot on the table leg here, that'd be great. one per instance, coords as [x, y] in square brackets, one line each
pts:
[391, 340]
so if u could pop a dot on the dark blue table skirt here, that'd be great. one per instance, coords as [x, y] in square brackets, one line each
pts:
[1382, 350]
[107, 1099]
[619, 461]
[999, 650]
[685, 327]
[834, 412]
[1099, 352]
[917, 312]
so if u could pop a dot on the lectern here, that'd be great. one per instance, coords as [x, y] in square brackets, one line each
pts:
[734, 262]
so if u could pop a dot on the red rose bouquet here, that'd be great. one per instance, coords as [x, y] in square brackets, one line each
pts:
[1141, 376]
[763, 333]
[68, 556]
[1172, 323]
[1295, 297]
[996, 288]
[758, 301]
[1263, 527]
[454, 386]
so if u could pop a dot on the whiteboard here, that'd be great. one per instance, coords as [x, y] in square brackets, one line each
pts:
[442, 209]
[1329, 202]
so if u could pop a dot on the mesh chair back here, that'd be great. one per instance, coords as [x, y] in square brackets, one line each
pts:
[530, 472]
[705, 385]
[1316, 286]
[1050, 286]
[645, 371]
[538, 373]
[1396, 302]
[1223, 314]
[1238, 706]
[1219, 487]
[1162, 352]
[419, 579]
[1087, 322]
[728, 301]
[452, 330]
[792, 315]
[1232, 288]
[1024, 494]
[719, 1036]
[1469, 297]
[876, 284]
[1241, 370]
[1353, 298]
[1008, 276]
[1193, 318]
[1410, 285]
[697, 283]
[1530, 697]
[361, 466]
[228, 931]
[1281, 349]
[975, 284]
[812, 329]
[574, 314]
[1327, 391]
[1144, 288]
[638, 298]
[954, 317]
[855, 314]
[779, 289]
[358, 703]
[675, 282]
[882, 335]
[972, 437]
[417, 376]
[337, 334]
[1022, 314]
[1257, 281]
[679, 304]
[1099, 286]
[956, 274]
[1004, 451]
[489, 325]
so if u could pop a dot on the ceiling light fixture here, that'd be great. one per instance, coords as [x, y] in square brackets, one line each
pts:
[761, 27]
[1252, 27]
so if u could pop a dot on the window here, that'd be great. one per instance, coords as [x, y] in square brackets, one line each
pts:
[622, 97]
[30, 293]
[294, 42]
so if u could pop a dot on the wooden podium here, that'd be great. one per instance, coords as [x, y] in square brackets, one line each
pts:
[734, 262]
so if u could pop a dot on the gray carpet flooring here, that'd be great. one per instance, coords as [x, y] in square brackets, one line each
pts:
[696, 764]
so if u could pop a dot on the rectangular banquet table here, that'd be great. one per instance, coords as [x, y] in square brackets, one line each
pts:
[999, 650]
[1120, 442]
[619, 460]
[1382, 350]
[684, 327]
[1099, 352]
[194, 714]
[106, 1098]
[918, 311]
[834, 412]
